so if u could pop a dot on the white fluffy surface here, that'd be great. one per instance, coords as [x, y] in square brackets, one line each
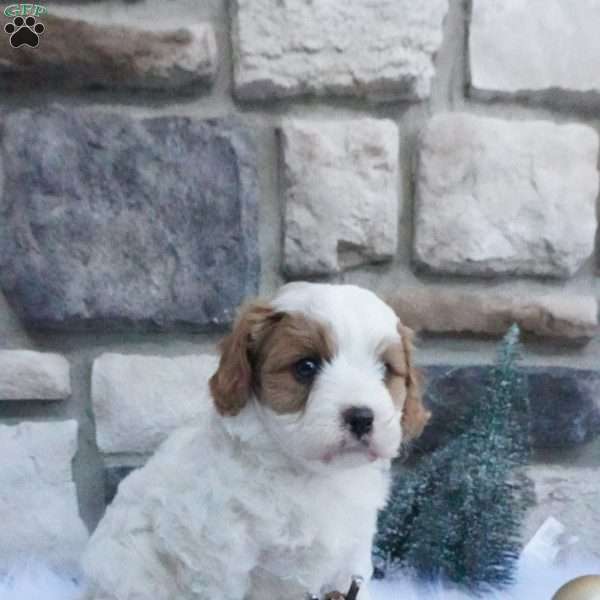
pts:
[37, 582]
[536, 582]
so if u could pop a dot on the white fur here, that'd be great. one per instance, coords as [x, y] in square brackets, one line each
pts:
[263, 506]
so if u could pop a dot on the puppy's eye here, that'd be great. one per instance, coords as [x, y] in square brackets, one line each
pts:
[306, 369]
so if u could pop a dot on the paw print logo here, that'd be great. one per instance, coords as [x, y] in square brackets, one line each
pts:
[24, 32]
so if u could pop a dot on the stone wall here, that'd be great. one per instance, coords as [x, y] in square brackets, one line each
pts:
[162, 161]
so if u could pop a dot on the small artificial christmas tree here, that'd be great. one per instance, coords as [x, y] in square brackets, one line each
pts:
[457, 515]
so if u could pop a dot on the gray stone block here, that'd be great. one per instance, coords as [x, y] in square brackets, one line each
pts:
[115, 221]
[564, 403]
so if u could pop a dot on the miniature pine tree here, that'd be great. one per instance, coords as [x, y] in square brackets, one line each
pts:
[457, 515]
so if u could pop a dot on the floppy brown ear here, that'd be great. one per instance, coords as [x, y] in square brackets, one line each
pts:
[414, 416]
[231, 385]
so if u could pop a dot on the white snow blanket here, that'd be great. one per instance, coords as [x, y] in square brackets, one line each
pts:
[536, 582]
[541, 572]
[33, 581]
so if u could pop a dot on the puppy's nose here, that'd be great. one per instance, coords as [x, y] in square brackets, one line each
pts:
[359, 419]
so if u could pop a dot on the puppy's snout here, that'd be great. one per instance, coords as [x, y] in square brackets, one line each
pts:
[359, 420]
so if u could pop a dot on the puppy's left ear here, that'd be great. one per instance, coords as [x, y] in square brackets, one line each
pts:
[414, 416]
[232, 384]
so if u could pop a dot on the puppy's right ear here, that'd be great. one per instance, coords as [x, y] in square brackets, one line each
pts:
[415, 415]
[231, 385]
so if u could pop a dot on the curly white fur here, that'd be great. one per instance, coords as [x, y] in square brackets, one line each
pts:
[263, 505]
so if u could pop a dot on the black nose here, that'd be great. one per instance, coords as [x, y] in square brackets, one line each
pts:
[359, 419]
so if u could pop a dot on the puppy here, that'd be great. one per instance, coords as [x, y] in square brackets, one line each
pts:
[276, 492]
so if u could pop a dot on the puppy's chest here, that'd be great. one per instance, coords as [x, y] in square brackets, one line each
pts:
[305, 523]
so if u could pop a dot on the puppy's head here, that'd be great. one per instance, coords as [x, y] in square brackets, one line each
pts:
[330, 369]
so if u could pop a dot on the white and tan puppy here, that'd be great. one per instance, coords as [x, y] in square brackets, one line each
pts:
[276, 493]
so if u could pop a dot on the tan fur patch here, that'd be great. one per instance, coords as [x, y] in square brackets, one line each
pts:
[396, 362]
[293, 337]
[403, 381]
[232, 383]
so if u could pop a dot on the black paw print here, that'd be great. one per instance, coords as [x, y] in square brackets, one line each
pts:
[24, 32]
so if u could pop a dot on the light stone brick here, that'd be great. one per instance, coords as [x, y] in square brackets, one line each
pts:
[28, 375]
[553, 315]
[381, 49]
[118, 57]
[571, 495]
[138, 400]
[38, 501]
[341, 194]
[520, 46]
[503, 197]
